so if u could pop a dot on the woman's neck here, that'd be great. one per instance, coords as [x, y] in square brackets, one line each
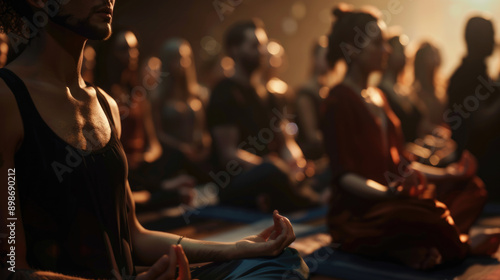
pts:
[356, 79]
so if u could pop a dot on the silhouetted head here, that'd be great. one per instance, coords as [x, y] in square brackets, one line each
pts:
[177, 60]
[397, 58]
[480, 37]
[177, 57]
[125, 49]
[245, 43]
[427, 61]
[357, 38]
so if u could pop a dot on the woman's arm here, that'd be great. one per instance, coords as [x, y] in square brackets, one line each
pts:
[151, 245]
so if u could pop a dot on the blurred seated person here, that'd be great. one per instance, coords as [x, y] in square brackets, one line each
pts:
[473, 111]
[258, 165]
[429, 91]
[399, 97]
[383, 205]
[117, 71]
[434, 147]
[178, 109]
[310, 95]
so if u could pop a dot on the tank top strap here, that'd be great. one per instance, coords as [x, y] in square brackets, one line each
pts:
[25, 104]
[104, 105]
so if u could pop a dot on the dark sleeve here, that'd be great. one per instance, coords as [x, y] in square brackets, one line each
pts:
[222, 108]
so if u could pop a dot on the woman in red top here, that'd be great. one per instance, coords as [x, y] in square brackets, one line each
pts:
[381, 205]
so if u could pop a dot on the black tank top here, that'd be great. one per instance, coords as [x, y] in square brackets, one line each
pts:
[72, 202]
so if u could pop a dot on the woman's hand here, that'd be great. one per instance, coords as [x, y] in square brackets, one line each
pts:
[271, 242]
[165, 267]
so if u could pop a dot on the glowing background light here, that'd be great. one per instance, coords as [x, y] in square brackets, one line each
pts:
[297, 24]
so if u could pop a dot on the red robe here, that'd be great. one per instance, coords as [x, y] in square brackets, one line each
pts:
[353, 139]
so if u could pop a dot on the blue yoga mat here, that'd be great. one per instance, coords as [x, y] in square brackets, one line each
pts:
[242, 215]
[337, 264]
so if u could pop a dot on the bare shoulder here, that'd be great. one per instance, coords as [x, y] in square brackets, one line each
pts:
[114, 110]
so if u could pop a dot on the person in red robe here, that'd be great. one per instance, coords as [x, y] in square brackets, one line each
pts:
[384, 205]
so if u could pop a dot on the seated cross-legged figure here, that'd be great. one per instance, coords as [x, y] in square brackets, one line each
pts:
[382, 204]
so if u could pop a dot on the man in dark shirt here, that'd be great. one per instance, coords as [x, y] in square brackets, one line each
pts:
[258, 164]
[474, 103]
[72, 212]
[474, 106]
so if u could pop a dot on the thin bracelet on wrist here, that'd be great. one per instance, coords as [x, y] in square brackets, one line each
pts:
[180, 239]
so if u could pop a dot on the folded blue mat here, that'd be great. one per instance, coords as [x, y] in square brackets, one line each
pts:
[337, 264]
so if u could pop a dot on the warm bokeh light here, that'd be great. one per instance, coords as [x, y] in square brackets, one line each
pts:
[227, 63]
[374, 185]
[274, 48]
[301, 163]
[185, 50]
[404, 39]
[299, 10]
[131, 39]
[276, 85]
[261, 36]
[195, 104]
[154, 63]
[395, 154]
[89, 52]
[323, 41]
[298, 23]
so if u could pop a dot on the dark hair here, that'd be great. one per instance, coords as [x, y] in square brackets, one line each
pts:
[235, 35]
[344, 30]
[420, 62]
[12, 13]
